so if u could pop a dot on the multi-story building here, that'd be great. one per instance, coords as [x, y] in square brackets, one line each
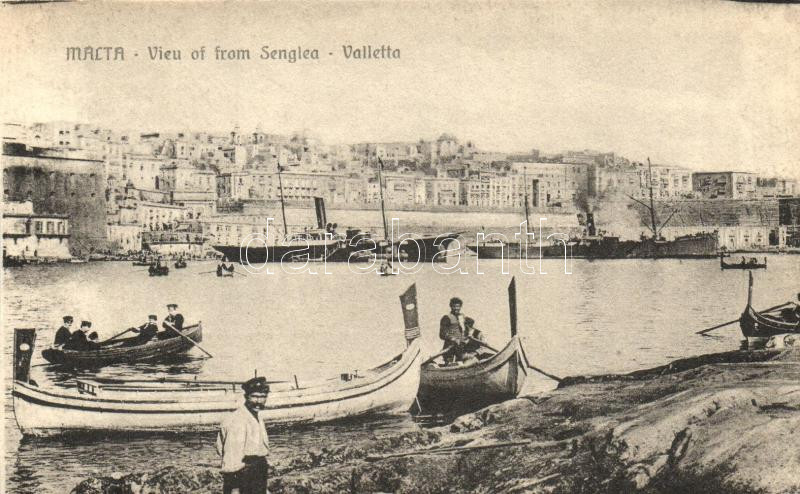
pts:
[776, 187]
[553, 183]
[724, 185]
[30, 235]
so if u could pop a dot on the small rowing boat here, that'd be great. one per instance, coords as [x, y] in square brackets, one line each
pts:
[115, 351]
[474, 384]
[156, 270]
[758, 327]
[749, 264]
[162, 405]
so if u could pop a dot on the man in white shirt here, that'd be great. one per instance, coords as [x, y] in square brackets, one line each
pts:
[243, 443]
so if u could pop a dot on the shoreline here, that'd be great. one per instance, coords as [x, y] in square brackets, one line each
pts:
[724, 422]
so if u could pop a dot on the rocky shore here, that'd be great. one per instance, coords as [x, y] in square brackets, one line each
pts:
[719, 423]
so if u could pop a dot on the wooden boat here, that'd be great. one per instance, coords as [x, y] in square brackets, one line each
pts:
[758, 327]
[161, 405]
[115, 352]
[225, 270]
[752, 263]
[155, 270]
[460, 388]
[180, 264]
[142, 263]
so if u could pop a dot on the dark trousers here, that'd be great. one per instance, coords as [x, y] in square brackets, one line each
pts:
[252, 479]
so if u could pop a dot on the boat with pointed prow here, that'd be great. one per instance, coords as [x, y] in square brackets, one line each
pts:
[457, 388]
[745, 264]
[109, 405]
[759, 327]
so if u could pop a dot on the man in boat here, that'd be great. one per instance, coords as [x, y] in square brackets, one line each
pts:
[80, 339]
[146, 331]
[173, 321]
[243, 443]
[460, 337]
[63, 334]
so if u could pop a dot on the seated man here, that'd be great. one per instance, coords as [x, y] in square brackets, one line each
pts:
[63, 334]
[459, 335]
[173, 322]
[146, 332]
[80, 340]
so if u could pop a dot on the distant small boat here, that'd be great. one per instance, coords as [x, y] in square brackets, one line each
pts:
[758, 327]
[751, 263]
[156, 270]
[180, 264]
[224, 270]
[77, 260]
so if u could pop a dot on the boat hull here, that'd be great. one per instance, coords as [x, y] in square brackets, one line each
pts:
[258, 254]
[155, 349]
[759, 327]
[461, 388]
[388, 389]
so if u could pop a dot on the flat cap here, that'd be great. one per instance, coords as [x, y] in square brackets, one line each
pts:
[68, 319]
[256, 385]
[152, 316]
[86, 324]
[174, 306]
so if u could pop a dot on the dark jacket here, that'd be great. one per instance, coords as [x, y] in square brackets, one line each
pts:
[62, 336]
[176, 321]
[79, 341]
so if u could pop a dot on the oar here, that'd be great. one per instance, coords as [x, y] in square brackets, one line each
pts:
[207, 272]
[187, 338]
[737, 320]
[476, 340]
[431, 359]
[120, 334]
[240, 274]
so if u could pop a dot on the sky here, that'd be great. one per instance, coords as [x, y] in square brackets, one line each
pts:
[703, 84]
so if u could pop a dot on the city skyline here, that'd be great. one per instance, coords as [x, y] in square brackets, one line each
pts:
[656, 81]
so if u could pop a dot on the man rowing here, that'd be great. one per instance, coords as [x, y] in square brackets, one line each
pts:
[63, 333]
[243, 443]
[172, 324]
[146, 332]
[461, 339]
[80, 339]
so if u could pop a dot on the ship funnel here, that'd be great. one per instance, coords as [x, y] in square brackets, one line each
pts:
[590, 224]
[24, 340]
[319, 205]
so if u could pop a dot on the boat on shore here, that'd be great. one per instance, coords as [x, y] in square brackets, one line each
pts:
[759, 327]
[116, 351]
[752, 263]
[466, 386]
[166, 405]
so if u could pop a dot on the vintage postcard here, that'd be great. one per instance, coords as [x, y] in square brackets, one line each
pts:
[413, 247]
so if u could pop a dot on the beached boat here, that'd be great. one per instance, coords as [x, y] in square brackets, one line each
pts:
[758, 327]
[163, 405]
[475, 384]
[752, 263]
[115, 351]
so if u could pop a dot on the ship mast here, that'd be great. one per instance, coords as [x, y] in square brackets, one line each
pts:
[652, 204]
[527, 214]
[283, 207]
[383, 210]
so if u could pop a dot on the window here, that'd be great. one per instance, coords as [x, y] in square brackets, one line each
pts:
[37, 226]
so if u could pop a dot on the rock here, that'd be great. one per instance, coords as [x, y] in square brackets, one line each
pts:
[722, 423]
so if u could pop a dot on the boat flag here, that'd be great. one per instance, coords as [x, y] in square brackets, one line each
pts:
[408, 301]
[23, 351]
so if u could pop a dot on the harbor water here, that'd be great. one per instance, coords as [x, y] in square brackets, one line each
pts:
[606, 316]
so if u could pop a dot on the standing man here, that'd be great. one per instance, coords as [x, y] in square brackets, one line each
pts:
[455, 330]
[243, 443]
[173, 320]
[63, 334]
